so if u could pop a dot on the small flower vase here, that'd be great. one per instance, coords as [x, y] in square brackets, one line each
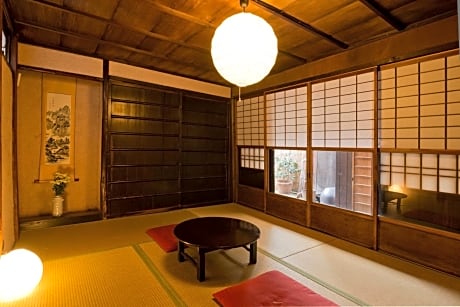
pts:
[58, 202]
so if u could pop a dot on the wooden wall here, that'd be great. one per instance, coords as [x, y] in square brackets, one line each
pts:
[437, 249]
[166, 149]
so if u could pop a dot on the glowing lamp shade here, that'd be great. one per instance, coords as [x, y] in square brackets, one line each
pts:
[20, 272]
[244, 49]
[395, 188]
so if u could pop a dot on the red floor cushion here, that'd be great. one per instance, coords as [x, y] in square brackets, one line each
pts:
[164, 237]
[272, 288]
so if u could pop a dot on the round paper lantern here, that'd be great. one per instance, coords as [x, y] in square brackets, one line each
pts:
[244, 49]
[20, 272]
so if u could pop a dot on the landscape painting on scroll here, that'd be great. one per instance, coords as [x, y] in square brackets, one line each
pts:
[58, 129]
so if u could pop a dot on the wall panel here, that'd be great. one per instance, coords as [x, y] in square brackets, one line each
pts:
[434, 250]
[167, 149]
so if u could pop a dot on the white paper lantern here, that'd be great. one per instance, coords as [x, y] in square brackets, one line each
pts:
[20, 272]
[244, 49]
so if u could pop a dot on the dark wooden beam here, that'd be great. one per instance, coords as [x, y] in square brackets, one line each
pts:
[381, 12]
[303, 25]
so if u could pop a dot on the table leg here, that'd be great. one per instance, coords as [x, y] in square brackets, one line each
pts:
[180, 251]
[253, 253]
[200, 269]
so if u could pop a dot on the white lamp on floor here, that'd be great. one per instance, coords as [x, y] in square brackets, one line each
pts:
[20, 272]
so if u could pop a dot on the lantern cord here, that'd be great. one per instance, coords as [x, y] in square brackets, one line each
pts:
[244, 4]
[239, 94]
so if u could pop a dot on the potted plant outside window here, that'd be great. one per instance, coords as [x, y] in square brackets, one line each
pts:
[286, 170]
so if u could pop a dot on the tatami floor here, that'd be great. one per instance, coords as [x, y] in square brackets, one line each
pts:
[114, 263]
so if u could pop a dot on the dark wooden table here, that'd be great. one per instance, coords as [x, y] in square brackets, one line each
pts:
[388, 196]
[208, 234]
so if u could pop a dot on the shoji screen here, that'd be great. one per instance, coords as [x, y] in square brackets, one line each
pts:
[250, 141]
[252, 157]
[286, 117]
[419, 104]
[429, 172]
[250, 122]
[343, 112]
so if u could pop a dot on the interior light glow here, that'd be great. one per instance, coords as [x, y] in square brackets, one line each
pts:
[244, 49]
[20, 272]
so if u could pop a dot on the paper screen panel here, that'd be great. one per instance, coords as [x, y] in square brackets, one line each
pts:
[270, 120]
[429, 172]
[432, 104]
[413, 171]
[407, 93]
[385, 162]
[249, 121]
[427, 91]
[317, 110]
[239, 120]
[453, 102]
[447, 173]
[387, 108]
[397, 169]
[252, 157]
[287, 117]
[343, 112]
[432, 172]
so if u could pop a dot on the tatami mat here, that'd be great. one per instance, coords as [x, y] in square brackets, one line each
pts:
[292, 241]
[372, 277]
[115, 263]
[376, 283]
[72, 240]
[117, 277]
[223, 269]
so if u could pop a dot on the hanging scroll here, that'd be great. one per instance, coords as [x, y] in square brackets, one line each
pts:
[58, 114]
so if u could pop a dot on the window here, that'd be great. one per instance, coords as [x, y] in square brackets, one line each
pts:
[343, 179]
[421, 187]
[251, 170]
[419, 139]
[289, 173]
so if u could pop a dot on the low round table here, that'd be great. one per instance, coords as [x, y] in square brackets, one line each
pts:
[207, 234]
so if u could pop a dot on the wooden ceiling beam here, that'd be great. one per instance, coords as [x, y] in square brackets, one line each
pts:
[383, 13]
[297, 22]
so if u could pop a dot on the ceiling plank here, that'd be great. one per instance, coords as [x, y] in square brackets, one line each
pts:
[165, 9]
[101, 41]
[295, 21]
[381, 12]
[126, 26]
[151, 34]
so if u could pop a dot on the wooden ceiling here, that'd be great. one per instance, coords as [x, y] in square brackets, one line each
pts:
[174, 36]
